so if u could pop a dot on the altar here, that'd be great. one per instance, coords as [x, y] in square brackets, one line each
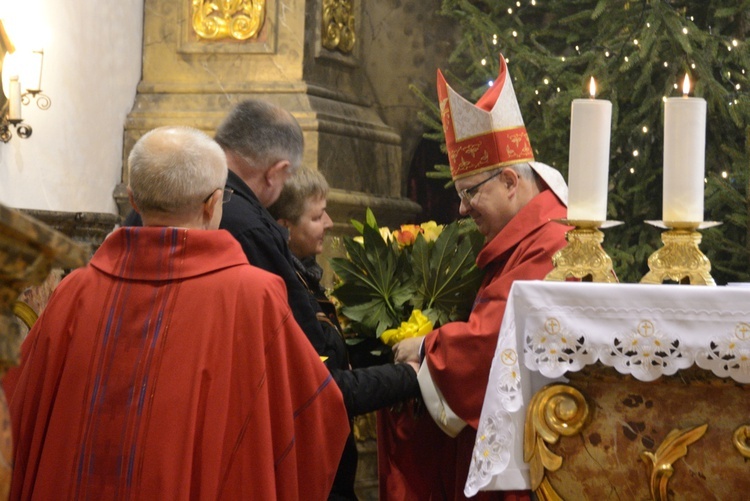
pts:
[618, 391]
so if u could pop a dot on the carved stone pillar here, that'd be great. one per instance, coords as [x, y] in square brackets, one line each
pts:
[28, 251]
[200, 58]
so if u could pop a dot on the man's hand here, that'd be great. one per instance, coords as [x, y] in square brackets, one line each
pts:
[408, 349]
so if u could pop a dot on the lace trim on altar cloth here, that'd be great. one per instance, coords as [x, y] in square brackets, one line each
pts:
[491, 450]
[644, 350]
[505, 377]
[728, 355]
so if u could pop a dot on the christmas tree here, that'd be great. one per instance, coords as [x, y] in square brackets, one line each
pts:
[639, 53]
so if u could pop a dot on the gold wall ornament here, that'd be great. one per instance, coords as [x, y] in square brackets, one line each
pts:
[583, 257]
[238, 19]
[741, 440]
[674, 447]
[680, 259]
[554, 411]
[338, 25]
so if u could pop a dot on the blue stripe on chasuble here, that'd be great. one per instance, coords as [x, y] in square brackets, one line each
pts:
[126, 354]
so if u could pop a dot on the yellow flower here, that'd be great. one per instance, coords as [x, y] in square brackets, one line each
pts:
[418, 325]
[431, 230]
[385, 232]
[360, 240]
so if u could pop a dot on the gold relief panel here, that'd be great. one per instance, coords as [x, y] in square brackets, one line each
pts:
[674, 447]
[554, 411]
[338, 25]
[741, 440]
[234, 19]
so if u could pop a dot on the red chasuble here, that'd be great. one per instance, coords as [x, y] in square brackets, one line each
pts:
[417, 461]
[169, 368]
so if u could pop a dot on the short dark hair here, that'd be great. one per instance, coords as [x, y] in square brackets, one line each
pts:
[262, 133]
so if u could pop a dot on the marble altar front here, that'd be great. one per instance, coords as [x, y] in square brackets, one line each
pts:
[618, 391]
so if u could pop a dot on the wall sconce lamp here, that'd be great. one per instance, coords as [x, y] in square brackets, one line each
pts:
[14, 95]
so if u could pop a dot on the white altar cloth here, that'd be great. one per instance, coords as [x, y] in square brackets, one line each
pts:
[647, 331]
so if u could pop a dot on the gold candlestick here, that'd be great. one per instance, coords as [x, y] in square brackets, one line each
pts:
[680, 259]
[583, 257]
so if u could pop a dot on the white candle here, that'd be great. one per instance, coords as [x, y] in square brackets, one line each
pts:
[588, 166]
[14, 106]
[684, 157]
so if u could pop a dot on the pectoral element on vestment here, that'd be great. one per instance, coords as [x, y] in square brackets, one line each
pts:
[237, 19]
[338, 25]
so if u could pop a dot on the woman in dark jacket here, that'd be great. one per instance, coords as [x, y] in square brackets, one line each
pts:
[301, 208]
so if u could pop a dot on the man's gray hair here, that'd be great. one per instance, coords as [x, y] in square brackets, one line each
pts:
[262, 133]
[525, 171]
[305, 184]
[173, 169]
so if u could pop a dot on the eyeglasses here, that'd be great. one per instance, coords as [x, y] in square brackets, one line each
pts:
[468, 194]
[226, 196]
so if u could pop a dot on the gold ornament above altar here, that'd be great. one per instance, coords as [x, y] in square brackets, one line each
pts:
[237, 19]
[338, 25]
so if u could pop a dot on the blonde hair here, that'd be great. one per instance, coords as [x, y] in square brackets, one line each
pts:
[302, 186]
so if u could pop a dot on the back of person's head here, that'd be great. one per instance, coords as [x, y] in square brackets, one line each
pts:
[262, 133]
[172, 170]
[305, 184]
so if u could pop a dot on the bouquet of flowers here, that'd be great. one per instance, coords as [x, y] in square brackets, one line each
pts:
[392, 285]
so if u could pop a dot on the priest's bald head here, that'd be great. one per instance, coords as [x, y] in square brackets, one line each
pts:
[177, 177]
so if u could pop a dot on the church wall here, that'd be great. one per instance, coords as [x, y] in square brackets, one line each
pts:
[405, 42]
[92, 65]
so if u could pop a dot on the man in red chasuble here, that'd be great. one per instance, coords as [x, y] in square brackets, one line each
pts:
[513, 200]
[168, 367]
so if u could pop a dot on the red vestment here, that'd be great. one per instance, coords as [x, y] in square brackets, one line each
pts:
[417, 461]
[169, 368]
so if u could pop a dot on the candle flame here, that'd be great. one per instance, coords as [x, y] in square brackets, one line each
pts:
[686, 85]
[592, 88]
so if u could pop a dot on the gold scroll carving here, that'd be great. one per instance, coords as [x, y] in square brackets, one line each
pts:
[674, 447]
[237, 19]
[741, 440]
[338, 25]
[554, 411]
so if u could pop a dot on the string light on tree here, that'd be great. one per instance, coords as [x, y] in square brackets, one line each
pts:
[679, 38]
